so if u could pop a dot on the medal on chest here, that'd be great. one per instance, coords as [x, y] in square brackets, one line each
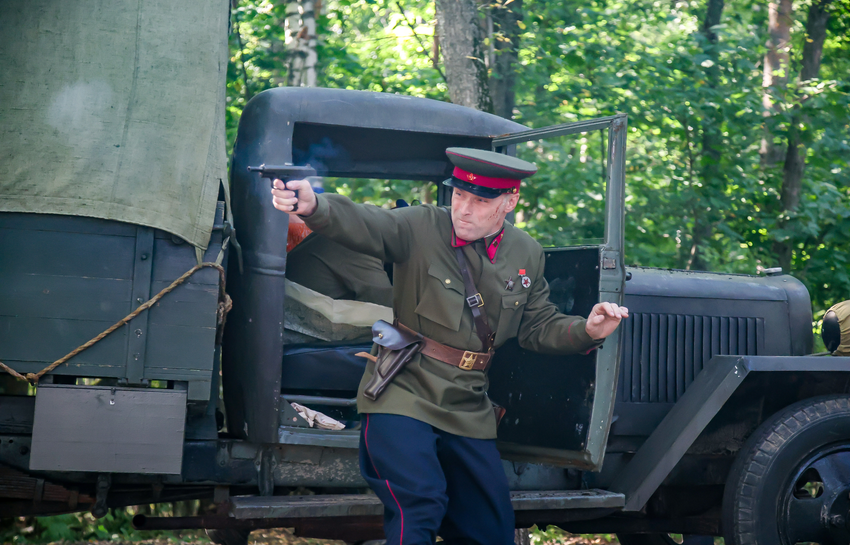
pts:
[509, 283]
[524, 279]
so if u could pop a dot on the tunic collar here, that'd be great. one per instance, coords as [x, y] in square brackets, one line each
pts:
[491, 241]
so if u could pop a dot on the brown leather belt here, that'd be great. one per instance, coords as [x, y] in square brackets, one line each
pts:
[464, 359]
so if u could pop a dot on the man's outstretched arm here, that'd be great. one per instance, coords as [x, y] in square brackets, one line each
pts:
[544, 329]
[385, 234]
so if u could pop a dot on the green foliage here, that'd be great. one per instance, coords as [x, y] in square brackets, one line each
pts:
[115, 526]
[650, 60]
[369, 45]
[553, 535]
[698, 195]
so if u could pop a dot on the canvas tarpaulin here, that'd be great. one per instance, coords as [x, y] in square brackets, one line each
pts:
[114, 109]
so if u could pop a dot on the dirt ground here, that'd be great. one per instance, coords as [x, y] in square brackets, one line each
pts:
[285, 537]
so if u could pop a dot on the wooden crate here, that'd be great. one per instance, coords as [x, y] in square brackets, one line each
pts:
[65, 279]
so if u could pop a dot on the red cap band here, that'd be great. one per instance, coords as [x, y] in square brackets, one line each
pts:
[485, 181]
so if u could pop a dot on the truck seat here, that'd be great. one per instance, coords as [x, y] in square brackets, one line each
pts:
[329, 369]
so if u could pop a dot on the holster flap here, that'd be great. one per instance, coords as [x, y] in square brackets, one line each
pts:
[392, 337]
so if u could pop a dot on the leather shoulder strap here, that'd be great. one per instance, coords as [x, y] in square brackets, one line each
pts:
[474, 300]
[476, 303]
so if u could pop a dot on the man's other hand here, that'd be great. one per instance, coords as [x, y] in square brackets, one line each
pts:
[604, 319]
[284, 197]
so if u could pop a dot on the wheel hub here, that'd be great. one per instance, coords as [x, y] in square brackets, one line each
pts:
[817, 503]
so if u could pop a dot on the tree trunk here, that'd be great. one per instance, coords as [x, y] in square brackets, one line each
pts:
[462, 44]
[775, 76]
[795, 158]
[300, 27]
[712, 178]
[505, 40]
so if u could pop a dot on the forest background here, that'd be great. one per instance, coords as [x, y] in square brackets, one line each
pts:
[738, 111]
[738, 122]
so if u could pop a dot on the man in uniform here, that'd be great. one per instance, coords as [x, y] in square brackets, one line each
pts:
[427, 444]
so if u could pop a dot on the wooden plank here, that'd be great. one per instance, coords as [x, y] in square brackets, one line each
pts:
[173, 347]
[172, 260]
[137, 339]
[70, 369]
[41, 340]
[108, 430]
[188, 375]
[66, 254]
[188, 305]
[65, 224]
[68, 297]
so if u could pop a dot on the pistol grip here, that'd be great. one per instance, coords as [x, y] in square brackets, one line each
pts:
[285, 181]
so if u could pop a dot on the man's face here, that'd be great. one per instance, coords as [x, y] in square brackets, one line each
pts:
[476, 217]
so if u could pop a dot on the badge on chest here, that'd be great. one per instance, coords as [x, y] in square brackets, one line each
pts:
[524, 281]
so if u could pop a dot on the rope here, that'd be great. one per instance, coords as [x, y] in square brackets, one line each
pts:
[224, 306]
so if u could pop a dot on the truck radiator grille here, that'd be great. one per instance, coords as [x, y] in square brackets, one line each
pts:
[662, 353]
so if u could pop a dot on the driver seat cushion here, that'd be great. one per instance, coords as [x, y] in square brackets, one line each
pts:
[323, 368]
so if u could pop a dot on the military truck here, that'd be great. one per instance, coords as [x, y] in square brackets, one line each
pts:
[705, 414]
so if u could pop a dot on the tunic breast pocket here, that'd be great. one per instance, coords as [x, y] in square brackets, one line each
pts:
[510, 316]
[442, 299]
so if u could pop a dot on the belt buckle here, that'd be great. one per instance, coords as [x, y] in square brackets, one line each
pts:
[467, 361]
[475, 300]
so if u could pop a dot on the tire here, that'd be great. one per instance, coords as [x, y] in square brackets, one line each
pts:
[790, 481]
[229, 536]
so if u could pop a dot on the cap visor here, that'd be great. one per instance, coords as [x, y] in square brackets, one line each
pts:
[477, 190]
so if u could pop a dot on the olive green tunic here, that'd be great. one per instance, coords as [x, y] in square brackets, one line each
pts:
[331, 269]
[428, 296]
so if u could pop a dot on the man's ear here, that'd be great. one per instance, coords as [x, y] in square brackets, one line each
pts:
[512, 200]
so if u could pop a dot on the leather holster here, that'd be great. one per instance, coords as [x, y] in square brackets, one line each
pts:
[396, 347]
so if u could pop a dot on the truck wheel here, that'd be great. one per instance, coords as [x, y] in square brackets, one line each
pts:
[229, 536]
[791, 480]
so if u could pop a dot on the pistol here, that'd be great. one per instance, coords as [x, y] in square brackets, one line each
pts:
[284, 173]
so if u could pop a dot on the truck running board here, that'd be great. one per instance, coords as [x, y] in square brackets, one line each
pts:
[346, 505]
[357, 517]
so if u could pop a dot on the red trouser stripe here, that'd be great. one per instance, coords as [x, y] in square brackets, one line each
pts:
[366, 440]
[401, 534]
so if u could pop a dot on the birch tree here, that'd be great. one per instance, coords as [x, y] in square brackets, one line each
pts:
[300, 29]
[775, 77]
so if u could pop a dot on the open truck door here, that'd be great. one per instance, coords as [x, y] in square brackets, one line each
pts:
[559, 408]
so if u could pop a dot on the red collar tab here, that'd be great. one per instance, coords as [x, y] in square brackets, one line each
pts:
[492, 248]
[486, 181]
[457, 242]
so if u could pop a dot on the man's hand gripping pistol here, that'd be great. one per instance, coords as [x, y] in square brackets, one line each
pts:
[284, 173]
